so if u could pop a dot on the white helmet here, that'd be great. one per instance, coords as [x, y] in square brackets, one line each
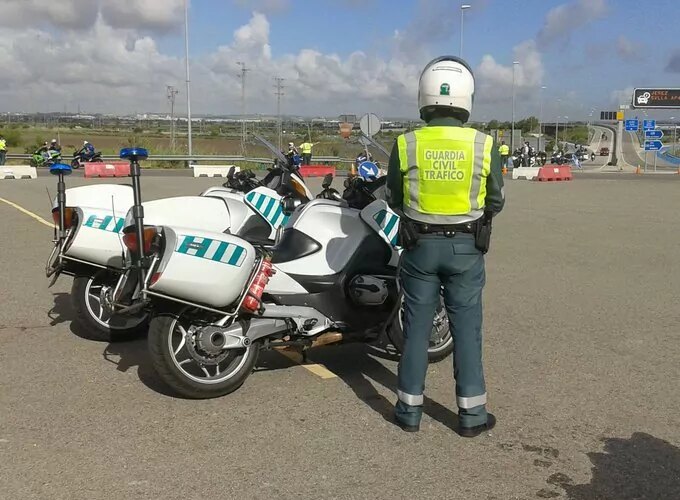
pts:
[54, 141]
[447, 82]
[85, 143]
[291, 145]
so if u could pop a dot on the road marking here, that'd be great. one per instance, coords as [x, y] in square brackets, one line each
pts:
[317, 369]
[29, 213]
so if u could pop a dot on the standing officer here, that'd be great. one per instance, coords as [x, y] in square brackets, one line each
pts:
[306, 149]
[447, 183]
[3, 149]
[504, 151]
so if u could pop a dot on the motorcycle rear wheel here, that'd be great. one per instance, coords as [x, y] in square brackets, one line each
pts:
[96, 323]
[175, 354]
[441, 340]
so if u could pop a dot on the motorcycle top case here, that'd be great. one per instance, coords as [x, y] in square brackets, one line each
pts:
[204, 213]
[107, 196]
[97, 238]
[203, 267]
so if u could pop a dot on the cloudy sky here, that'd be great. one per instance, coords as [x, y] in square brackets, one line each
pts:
[336, 56]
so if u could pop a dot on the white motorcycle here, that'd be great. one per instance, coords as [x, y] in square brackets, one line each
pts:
[219, 299]
[88, 243]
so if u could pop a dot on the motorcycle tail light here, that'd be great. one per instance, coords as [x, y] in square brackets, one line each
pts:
[69, 217]
[151, 235]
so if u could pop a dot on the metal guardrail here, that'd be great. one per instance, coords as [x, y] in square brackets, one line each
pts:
[197, 158]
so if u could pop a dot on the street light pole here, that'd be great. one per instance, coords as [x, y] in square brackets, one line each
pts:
[512, 133]
[674, 134]
[463, 8]
[186, 56]
[540, 116]
[244, 70]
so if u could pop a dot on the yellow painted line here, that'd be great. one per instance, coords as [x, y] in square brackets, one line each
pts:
[318, 370]
[28, 212]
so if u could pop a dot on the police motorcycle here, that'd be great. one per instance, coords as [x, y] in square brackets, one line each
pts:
[79, 159]
[45, 158]
[89, 243]
[219, 299]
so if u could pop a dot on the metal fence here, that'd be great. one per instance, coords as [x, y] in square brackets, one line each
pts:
[187, 160]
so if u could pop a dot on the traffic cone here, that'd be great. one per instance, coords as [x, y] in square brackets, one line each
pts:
[678, 171]
[505, 170]
[638, 171]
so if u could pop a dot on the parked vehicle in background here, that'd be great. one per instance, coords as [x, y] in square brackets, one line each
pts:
[604, 151]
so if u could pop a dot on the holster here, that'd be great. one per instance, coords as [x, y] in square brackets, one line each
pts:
[408, 236]
[483, 233]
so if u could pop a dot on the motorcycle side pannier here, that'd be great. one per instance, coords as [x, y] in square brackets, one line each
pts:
[203, 267]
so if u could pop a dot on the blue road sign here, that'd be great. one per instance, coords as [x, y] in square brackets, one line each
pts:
[632, 125]
[648, 124]
[653, 145]
[653, 134]
[368, 169]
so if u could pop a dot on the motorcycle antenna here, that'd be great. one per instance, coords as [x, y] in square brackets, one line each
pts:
[120, 239]
[49, 204]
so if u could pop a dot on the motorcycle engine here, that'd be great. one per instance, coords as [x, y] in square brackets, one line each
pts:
[368, 290]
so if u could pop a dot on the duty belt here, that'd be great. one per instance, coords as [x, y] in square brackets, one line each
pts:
[445, 229]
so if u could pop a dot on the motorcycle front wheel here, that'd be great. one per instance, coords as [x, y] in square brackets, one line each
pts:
[441, 340]
[86, 293]
[187, 356]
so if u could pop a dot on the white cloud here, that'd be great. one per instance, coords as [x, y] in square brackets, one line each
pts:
[80, 15]
[562, 20]
[623, 96]
[143, 14]
[494, 80]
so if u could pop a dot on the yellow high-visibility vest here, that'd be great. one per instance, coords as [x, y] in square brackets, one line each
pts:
[444, 172]
[306, 147]
[3, 145]
[504, 150]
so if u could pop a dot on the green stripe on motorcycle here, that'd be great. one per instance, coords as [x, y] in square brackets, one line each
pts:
[390, 225]
[236, 256]
[119, 226]
[270, 205]
[220, 251]
[184, 247]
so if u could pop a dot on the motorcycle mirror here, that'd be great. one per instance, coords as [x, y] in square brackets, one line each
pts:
[347, 183]
[327, 181]
[230, 173]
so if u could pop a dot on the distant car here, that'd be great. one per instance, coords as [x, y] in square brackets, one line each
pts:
[604, 151]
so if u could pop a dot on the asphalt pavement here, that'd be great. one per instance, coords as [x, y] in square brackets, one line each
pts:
[581, 353]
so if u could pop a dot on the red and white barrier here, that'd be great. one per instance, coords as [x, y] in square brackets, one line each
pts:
[554, 173]
[112, 169]
[316, 170]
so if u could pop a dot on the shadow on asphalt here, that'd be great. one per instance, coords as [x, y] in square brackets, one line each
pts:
[356, 364]
[358, 367]
[642, 466]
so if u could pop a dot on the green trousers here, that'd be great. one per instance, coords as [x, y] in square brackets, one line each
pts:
[455, 268]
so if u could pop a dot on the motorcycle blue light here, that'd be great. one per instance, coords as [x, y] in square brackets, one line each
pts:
[62, 168]
[134, 154]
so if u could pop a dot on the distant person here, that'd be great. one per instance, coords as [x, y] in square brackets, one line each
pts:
[293, 156]
[525, 154]
[504, 151]
[306, 148]
[87, 151]
[54, 145]
[3, 149]
[42, 150]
